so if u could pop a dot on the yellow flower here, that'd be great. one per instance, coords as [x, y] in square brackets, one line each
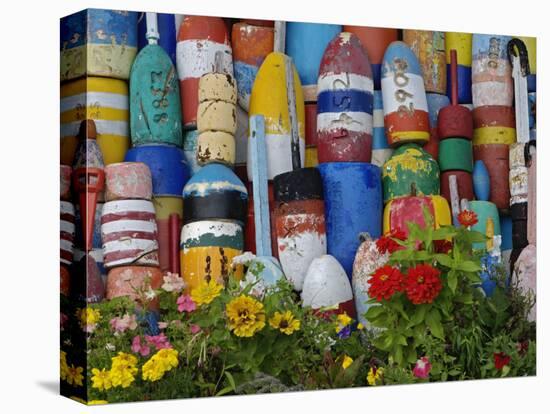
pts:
[63, 366]
[160, 363]
[342, 320]
[74, 375]
[123, 369]
[246, 316]
[98, 402]
[88, 318]
[346, 362]
[360, 326]
[124, 360]
[285, 322]
[206, 292]
[374, 375]
[101, 379]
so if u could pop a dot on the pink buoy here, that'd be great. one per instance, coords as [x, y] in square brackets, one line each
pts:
[128, 180]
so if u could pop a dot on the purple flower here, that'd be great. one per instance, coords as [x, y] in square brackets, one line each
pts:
[345, 332]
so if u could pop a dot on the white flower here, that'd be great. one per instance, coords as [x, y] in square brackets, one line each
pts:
[150, 294]
[173, 283]
[243, 259]
[110, 347]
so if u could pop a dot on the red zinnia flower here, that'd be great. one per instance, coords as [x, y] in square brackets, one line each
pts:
[422, 284]
[501, 359]
[386, 243]
[467, 218]
[384, 282]
[442, 246]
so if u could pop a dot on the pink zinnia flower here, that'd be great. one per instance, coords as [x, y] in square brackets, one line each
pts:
[173, 283]
[138, 347]
[158, 341]
[194, 328]
[124, 323]
[186, 304]
[422, 368]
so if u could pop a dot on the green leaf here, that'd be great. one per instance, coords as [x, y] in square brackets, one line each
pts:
[399, 339]
[444, 259]
[230, 379]
[418, 315]
[444, 233]
[473, 236]
[224, 391]
[421, 256]
[374, 312]
[452, 280]
[398, 354]
[433, 320]
[402, 255]
[468, 266]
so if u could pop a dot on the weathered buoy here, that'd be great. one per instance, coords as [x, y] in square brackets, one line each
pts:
[66, 232]
[481, 181]
[327, 288]
[436, 102]
[65, 172]
[381, 151]
[400, 211]
[251, 44]
[429, 48]
[491, 71]
[495, 158]
[155, 109]
[464, 184]
[494, 125]
[405, 105]
[165, 207]
[367, 260]
[410, 164]
[487, 213]
[199, 38]
[455, 154]
[129, 233]
[250, 227]
[97, 42]
[305, 44]
[344, 102]
[217, 119]
[80, 238]
[462, 43]
[190, 148]
[214, 215]
[103, 100]
[299, 221]
[455, 121]
[86, 282]
[269, 98]
[167, 165]
[168, 25]
[355, 189]
[375, 40]
[128, 180]
[129, 280]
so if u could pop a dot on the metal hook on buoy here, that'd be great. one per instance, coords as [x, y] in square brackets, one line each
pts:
[516, 47]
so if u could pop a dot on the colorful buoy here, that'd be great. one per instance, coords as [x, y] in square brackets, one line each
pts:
[129, 280]
[455, 154]
[462, 43]
[381, 151]
[464, 184]
[436, 103]
[165, 207]
[96, 42]
[429, 48]
[481, 181]
[344, 102]
[128, 180]
[405, 105]
[66, 232]
[305, 44]
[168, 26]
[494, 125]
[190, 148]
[496, 160]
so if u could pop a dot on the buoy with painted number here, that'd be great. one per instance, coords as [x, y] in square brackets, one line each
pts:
[344, 102]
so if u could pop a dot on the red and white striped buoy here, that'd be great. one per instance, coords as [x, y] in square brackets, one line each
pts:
[66, 232]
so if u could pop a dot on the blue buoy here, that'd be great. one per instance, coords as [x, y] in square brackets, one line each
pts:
[482, 181]
[353, 205]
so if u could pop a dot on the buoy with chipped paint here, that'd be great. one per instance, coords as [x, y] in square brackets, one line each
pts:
[462, 43]
[199, 38]
[491, 71]
[327, 288]
[375, 40]
[305, 44]
[129, 233]
[128, 180]
[103, 100]
[429, 48]
[269, 98]
[356, 189]
[381, 151]
[405, 106]
[299, 221]
[494, 125]
[155, 108]
[464, 183]
[129, 280]
[167, 165]
[212, 233]
[496, 160]
[66, 232]
[251, 44]
[410, 164]
[168, 25]
[344, 102]
[190, 148]
[97, 42]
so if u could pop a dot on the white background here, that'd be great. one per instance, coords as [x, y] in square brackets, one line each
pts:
[29, 99]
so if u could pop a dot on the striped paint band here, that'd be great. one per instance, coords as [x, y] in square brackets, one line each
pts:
[379, 140]
[125, 225]
[67, 227]
[94, 84]
[211, 240]
[494, 135]
[344, 81]
[415, 86]
[129, 257]
[197, 57]
[405, 136]
[107, 114]
[101, 99]
[212, 233]
[67, 245]
[67, 208]
[345, 100]
[129, 244]
[128, 207]
[352, 121]
[120, 128]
